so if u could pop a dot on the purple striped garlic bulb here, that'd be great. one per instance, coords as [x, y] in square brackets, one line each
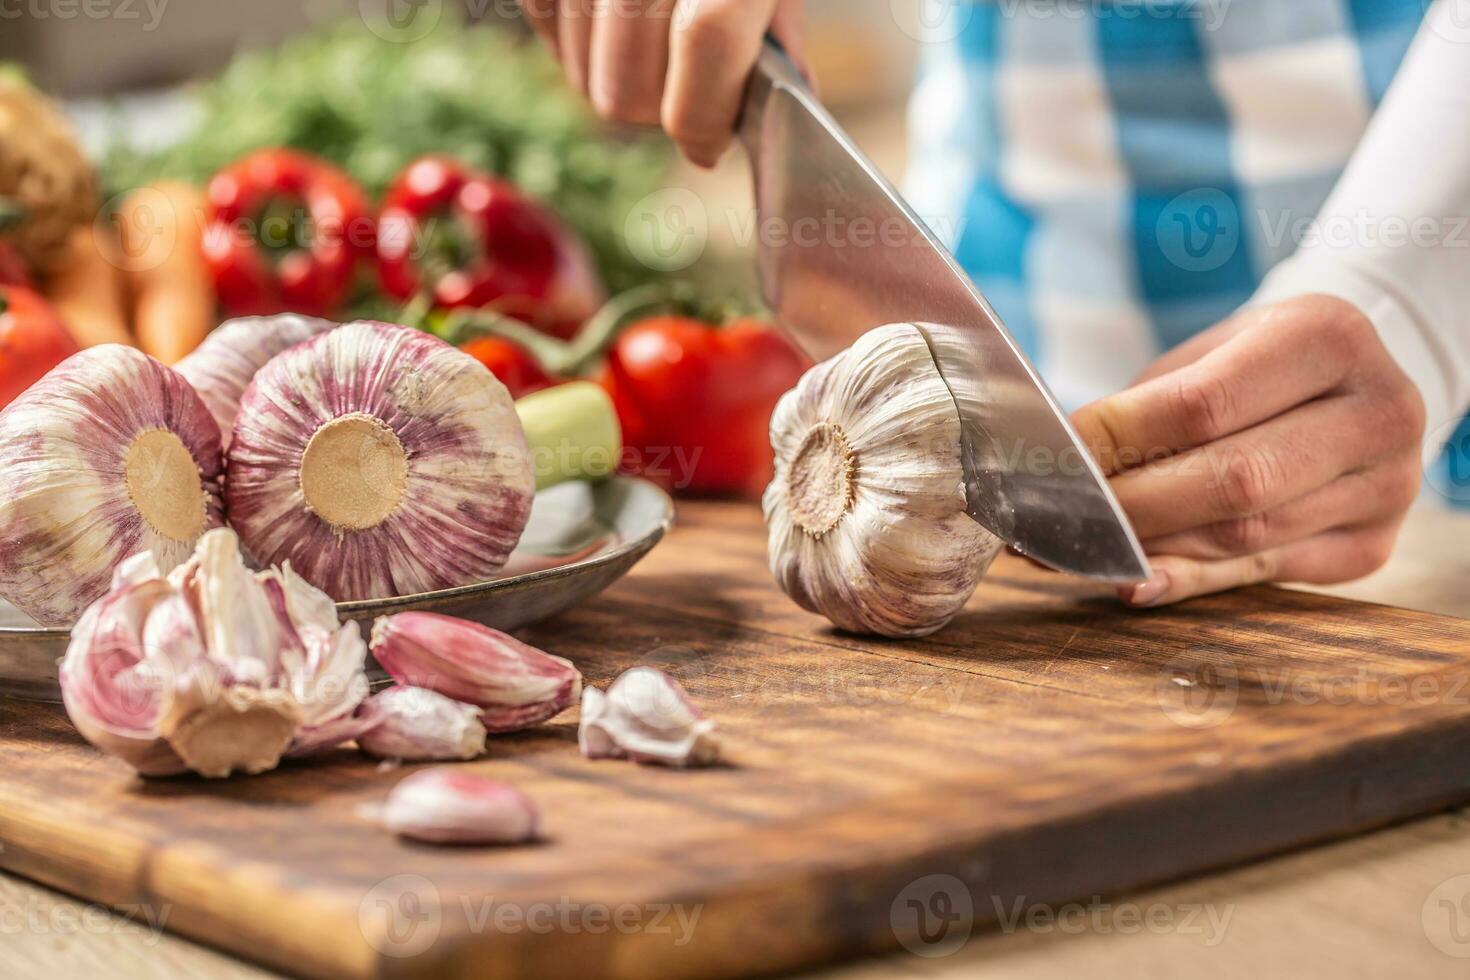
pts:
[109, 454]
[866, 511]
[379, 461]
[221, 368]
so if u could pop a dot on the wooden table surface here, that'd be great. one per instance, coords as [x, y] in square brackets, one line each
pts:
[1397, 901]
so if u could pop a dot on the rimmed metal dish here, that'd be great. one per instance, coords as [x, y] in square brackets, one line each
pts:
[581, 538]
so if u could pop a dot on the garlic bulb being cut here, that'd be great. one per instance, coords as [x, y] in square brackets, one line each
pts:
[867, 508]
[222, 367]
[109, 454]
[380, 461]
[214, 668]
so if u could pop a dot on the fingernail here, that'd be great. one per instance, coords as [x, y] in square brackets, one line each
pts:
[1150, 592]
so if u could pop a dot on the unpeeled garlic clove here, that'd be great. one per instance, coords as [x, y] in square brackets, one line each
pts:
[514, 685]
[646, 716]
[446, 806]
[222, 367]
[114, 692]
[867, 507]
[108, 455]
[415, 724]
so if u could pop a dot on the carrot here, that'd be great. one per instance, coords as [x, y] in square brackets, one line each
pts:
[87, 290]
[161, 229]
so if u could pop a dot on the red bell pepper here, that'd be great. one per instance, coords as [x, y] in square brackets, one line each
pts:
[285, 231]
[695, 401]
[467, 239]
[33, 340]
[512, 364]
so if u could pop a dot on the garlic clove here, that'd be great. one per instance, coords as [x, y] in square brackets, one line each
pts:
[415, 724]
[866, 511]
[222, 367]
[323, 658]
[593, 738]
[445, 806]
[113, 691]
[331, 734]
[646, 716]
[514, 685]
[235, 615]
[379, 461]
[108, 455]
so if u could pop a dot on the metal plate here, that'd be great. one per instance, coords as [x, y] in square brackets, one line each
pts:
[581, 538]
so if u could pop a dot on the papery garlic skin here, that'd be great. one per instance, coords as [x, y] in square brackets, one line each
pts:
[415, 724]
[214, 668]
[109, 454]
[513, 684]
[379, 461]
[866, 512]
[447, 806]
[222, 367]
[646, 716]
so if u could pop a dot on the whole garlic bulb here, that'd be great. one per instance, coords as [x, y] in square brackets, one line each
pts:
[222, 367]
[867, 508]
[109, 454]
[379, 461]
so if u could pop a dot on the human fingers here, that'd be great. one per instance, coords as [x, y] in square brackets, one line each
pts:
[713, 47]
[629, 57]
[1365, 496]
[1282, 356]
[1333, 556]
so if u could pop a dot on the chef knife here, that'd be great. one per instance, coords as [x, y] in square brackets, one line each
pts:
[840, 252]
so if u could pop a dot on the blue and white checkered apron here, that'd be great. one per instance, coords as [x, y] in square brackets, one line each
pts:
[1118, 175]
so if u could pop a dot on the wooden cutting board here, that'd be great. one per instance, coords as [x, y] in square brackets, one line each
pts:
[1049, 746]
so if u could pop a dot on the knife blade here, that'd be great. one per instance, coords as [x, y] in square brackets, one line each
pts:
[839, 252]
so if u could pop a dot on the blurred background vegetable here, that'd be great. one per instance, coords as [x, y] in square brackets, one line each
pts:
[86, 289]
[460, 237]
[371, 103]
[47, 185]
[161, 233]
[33, 340]
[695, 400]
[285, 232]
[511, 363]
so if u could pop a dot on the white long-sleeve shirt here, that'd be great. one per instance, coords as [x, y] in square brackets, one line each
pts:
[1394, 236]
